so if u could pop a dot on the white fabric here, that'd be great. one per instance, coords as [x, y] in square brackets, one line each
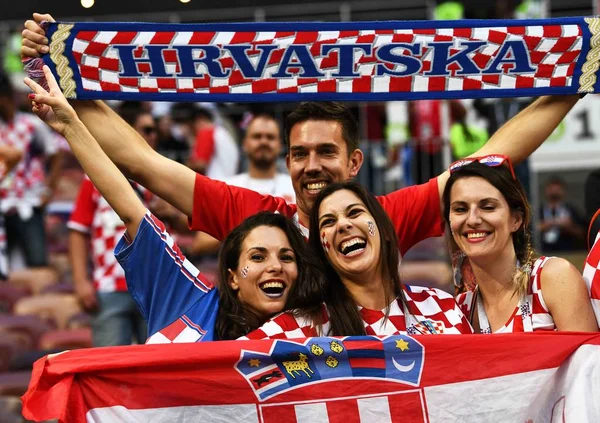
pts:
[226, 156]
[278, 186]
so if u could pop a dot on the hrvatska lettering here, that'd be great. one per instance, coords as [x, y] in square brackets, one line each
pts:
[328, 61]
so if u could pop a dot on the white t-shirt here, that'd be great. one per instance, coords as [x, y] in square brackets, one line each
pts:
[224, 162]
[278, 186]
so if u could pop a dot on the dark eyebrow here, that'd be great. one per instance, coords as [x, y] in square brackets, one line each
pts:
[346, 209]
[297, 148]
[261, 249]
[286, 250]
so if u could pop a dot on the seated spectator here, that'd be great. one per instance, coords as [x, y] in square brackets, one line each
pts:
[562, 227]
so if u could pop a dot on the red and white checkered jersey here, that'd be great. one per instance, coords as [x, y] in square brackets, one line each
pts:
[93, 215]
[530, 315]
[24, 185]
[218, 208]
[591, 275]
[427, 311]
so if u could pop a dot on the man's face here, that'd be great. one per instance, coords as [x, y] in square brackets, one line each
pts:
[318, 156]
[146, 127]
[262, 142]
[555, 193]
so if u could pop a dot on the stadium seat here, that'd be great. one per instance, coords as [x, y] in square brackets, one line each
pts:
[14, 383]
[9, 295]
[28, 329]
[66, 339]
[34, 279]
[54, 307]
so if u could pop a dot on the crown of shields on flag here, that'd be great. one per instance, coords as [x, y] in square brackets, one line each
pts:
[290, 364]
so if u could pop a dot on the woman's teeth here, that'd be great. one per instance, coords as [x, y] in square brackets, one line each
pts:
[474, 235]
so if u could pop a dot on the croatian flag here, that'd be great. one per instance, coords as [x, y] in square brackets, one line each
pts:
[539, 377]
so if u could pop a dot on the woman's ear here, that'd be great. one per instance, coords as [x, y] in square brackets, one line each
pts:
[232, 280]
[518, 221]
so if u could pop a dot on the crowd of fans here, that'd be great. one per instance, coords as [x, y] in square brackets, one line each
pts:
[62, 287]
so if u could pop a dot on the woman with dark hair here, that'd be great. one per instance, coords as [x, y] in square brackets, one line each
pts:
[262, 262]
[489, 217]
[355, 239]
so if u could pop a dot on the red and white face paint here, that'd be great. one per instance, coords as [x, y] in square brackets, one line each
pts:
[324, 242]
[371, 228]
[244, 271]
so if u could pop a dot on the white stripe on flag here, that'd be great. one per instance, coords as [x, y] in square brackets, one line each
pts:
[311, 413]
[240, 413]
[487, 399]
[374, 410]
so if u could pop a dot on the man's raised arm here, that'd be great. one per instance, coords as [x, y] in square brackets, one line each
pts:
[124, 146]
[524, 133]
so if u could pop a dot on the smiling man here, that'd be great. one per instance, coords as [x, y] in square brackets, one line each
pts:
[323, 145]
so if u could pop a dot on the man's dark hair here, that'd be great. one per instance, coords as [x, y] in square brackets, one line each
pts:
[130, 111]
[329, 111]
[555, 180]
[188, 112]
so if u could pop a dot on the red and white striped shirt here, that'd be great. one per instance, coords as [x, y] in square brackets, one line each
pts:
[530, 314]
[427, 311]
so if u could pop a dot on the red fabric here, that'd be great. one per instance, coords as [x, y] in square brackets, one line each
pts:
[204, 146]
[68, 385]
[218, 208]
[425, 123]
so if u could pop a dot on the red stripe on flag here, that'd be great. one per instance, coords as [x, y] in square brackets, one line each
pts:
[279, 414]
[351, 345]
[345, 411]
[162, 38]
[367, 363]
[407, 407]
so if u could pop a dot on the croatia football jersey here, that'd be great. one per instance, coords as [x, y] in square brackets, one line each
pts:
[175, 298]
[425, 311]
[530, 314]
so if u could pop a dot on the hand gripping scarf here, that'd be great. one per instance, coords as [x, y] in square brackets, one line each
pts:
[393, 60]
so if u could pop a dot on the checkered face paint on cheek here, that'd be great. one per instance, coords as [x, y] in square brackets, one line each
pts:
[324, 242]
[244, 272]
[371, 227]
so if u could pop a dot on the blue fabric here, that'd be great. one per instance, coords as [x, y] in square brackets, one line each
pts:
[162, 282]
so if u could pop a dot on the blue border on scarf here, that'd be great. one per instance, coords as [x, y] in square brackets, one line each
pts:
[322, 26]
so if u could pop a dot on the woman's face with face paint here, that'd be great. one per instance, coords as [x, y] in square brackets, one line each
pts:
[266, 272]
[349, 235]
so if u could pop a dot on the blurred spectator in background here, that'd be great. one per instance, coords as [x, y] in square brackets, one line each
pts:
[116, 319]
[262, 144]
[9, 157]
[26, 190]
[425, 128]
[592, 203]
[465, 139]
[214, 152]
[562, 227]
[168, 144]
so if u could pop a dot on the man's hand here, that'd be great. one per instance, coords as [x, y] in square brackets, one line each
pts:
[34, 41]
[86, 293]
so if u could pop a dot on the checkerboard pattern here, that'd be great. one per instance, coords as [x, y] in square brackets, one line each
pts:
[553, 50]
[93, 215]
[591, 275]
[530, 315]
[181, 330]
[427, 307]
[25, 183]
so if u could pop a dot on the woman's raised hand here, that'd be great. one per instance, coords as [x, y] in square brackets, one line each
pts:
[52, 107]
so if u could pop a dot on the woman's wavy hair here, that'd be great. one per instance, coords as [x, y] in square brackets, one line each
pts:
[344, 317]
[501, 178]
[234, 319]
